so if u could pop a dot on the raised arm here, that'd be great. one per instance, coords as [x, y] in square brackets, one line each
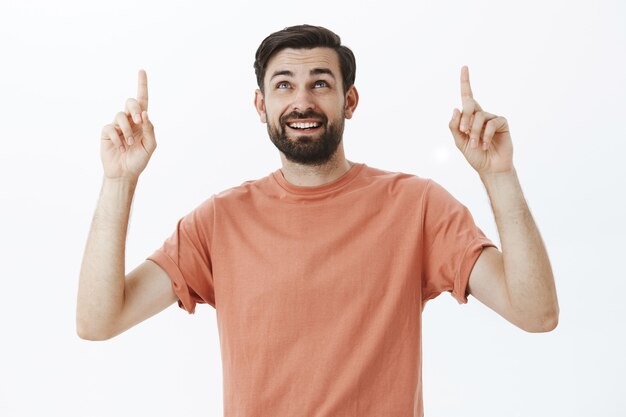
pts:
[518, 283]
[109, 302]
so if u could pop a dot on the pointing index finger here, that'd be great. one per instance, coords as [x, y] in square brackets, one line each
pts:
[466, 89]
[142, 90]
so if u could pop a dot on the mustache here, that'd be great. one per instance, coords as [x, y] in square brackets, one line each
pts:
[309, 114]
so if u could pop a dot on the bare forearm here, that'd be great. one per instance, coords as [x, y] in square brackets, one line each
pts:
[102, 275]
[527, 267]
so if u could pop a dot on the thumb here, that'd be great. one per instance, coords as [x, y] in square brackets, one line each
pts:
[459, 137]
[147, 128]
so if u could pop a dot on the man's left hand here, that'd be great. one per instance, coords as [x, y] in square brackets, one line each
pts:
[483, 137]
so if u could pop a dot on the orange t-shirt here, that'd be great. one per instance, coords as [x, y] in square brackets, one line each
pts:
[319, 291]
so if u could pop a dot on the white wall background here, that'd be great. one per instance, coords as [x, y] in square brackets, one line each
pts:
[555, 69]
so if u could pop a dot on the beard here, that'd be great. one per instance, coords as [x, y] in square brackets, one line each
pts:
[305, 149]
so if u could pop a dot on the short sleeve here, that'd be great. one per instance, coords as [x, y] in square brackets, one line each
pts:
[185, 257]
[451, 244]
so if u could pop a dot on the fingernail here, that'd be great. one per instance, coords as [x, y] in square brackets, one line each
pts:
[130, 140]
[122, 149]
[473, 143]
[485, 146]
[137, 118]
[463, 127]
[453, 113]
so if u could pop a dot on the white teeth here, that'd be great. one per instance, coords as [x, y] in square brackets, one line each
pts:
[303, 125]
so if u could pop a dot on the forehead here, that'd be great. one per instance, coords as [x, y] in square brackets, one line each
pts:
[296, 60]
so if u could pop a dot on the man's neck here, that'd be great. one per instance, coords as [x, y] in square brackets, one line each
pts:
[314, 175]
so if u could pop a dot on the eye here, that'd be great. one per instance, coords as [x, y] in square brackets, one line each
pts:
[320, 83]
[282, 85]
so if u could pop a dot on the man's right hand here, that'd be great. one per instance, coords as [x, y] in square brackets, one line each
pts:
[109, 300]
[128, 143]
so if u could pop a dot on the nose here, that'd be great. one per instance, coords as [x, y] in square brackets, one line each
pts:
[303, 100]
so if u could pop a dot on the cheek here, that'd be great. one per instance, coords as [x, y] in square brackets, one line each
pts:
[335, 114]
[336, 105]
[272, 118]
[273, 112]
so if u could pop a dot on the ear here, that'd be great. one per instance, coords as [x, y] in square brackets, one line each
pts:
[351, 101]
[259, 104]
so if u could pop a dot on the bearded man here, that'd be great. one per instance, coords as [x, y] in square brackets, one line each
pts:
[319, 272]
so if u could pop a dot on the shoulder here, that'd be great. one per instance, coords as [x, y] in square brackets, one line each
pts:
[232, 195]
[424, 192]
[396, 182]
[243, 191]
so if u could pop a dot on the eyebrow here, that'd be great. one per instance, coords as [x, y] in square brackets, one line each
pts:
[314, 71]
[283, 72]
[318, 71]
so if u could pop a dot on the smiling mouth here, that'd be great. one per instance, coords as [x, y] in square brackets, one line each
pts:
[304, 126]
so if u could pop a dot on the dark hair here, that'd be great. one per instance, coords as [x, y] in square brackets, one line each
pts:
[305, 37]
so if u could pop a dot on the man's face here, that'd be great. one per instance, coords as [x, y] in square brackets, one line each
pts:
[304, 105]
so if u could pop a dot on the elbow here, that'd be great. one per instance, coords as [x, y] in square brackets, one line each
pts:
[94, 337]
[89, 332]
[545, 324]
